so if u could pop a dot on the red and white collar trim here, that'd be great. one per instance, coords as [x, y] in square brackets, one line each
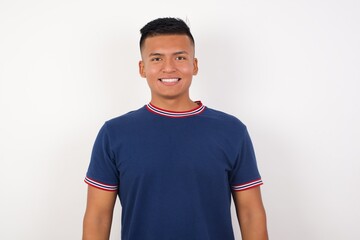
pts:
[175, 114]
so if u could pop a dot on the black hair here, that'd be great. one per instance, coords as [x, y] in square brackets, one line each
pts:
[165, 26]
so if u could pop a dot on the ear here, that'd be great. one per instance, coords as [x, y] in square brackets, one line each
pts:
[196, 68]
[142, 69]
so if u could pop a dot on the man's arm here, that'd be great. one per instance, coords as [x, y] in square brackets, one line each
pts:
[98, 214]
[251, 214]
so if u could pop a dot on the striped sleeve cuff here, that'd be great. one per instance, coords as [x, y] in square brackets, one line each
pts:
[100, 185]
[247, 185]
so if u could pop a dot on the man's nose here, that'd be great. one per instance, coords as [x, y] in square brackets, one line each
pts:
[169, 66]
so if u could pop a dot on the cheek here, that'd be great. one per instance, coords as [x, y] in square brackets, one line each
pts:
[186, 69]
[150, 73]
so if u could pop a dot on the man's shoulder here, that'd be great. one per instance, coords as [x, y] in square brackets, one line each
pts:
[223, 117]
[128, 117]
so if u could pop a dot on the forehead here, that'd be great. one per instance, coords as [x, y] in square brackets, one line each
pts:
[167, 43]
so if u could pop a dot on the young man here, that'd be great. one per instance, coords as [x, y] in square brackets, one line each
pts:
[174, 163]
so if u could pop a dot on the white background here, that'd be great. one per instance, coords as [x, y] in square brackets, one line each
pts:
[288, 69]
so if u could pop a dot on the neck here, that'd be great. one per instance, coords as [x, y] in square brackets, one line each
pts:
[175, 104]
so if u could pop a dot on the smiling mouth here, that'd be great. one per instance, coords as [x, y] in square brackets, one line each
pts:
[169, 80]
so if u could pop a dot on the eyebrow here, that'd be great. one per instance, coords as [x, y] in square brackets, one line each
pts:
[175, 53]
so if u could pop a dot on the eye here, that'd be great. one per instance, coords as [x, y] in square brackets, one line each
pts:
[156, 59]
[180, 58]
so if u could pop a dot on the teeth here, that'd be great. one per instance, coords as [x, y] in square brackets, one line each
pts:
[169, 80]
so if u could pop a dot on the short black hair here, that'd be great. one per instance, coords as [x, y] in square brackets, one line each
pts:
[165, 26]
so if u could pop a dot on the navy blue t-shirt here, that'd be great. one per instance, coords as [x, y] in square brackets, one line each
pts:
[174, 171]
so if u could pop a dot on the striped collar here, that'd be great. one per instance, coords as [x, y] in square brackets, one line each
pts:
[175, 114]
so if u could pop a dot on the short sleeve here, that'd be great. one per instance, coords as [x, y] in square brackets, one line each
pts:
[245, 174]
[102, 172]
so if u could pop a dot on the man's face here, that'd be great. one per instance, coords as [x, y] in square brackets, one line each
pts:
[168, 64]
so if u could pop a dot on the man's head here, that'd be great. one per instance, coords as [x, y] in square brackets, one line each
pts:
[167, 59]
[165, 26]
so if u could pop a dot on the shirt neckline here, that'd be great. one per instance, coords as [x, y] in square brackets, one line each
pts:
[176, 114]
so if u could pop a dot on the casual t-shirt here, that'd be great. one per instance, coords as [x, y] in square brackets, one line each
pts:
[174, 171]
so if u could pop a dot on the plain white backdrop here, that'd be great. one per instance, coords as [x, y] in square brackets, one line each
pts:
[288, 69]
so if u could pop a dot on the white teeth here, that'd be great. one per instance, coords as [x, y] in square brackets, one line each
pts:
[169, 80]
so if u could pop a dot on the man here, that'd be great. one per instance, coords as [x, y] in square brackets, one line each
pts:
[174, 163]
